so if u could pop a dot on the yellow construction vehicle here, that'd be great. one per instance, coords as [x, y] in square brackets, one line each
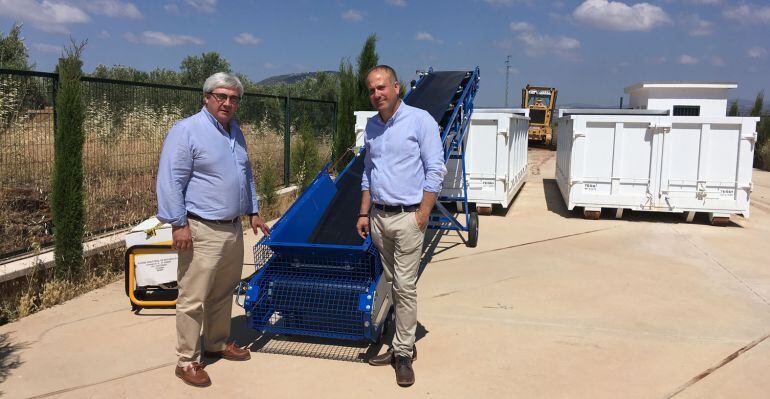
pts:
[541, 102]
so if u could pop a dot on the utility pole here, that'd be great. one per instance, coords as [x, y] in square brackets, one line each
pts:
[507, 72]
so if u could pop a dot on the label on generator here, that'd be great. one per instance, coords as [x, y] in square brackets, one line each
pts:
[155, 269]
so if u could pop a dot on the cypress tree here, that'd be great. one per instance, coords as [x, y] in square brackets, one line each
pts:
[67, 197]
[759, 103]
[367, 60]
[733, 109]
[345, 135]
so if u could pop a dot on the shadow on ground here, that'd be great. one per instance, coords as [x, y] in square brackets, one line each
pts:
[9, 359]
[555, 203]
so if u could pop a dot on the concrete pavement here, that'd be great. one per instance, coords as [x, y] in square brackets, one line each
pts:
[547, 306]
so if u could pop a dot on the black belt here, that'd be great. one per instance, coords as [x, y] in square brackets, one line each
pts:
[397, 208]
[193, 216]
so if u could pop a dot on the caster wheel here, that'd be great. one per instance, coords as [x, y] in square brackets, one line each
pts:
[473, 230]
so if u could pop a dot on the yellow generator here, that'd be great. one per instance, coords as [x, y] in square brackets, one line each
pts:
[541, 102]
[150, 268]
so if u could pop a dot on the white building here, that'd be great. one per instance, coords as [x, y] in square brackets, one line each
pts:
[681, 98]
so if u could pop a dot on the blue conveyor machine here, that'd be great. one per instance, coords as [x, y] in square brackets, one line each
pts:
[315, 276]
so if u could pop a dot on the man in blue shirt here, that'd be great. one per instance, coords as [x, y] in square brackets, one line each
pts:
[204, 185]
[403, 172]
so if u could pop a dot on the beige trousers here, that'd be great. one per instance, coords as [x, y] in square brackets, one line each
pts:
[399, 240]
[206, 276]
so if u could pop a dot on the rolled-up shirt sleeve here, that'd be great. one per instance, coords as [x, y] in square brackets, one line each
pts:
[432, 155]
[174, 170]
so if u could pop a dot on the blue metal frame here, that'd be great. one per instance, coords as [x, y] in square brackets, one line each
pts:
[327, 290]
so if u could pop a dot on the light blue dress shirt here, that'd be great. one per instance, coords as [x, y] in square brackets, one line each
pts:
[204, 170]
[404, 157]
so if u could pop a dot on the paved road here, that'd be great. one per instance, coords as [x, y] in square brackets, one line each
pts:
[547, 306]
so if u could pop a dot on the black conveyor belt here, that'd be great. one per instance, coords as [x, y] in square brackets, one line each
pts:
[338, 224]
[435, 92]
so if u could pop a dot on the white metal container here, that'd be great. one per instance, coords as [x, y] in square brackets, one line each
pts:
[656, 163]
[495, 159]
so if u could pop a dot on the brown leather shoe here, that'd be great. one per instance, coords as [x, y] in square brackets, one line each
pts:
[386, 358]
[404, 371]
[231, 352]
[194, 375]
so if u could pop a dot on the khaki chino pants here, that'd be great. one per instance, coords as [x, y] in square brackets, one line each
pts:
[206, 276]
[399, 240]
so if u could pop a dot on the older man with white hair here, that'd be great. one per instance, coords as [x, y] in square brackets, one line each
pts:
[204, 186]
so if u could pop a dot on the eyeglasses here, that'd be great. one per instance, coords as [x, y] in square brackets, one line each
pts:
[221, 97]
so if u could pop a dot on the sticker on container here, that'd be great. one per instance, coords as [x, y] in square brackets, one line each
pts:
[726, 192]
[589, 186]
[155, 269]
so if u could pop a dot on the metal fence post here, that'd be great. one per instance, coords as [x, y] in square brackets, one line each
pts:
[286, 142]
[54, 92]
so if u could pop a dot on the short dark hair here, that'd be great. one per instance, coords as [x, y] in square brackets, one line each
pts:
[383, 67]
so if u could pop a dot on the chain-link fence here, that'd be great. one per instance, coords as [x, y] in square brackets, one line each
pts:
[125, 124]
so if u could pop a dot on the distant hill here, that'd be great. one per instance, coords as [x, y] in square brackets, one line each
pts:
[291, 78]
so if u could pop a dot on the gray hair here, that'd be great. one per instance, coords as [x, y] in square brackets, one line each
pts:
[222, 79]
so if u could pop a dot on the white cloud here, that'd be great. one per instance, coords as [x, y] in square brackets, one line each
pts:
[203, 5]
[757, 52]
[268, 65]
[47, 48]
[656, 60]
[696, 26]
[353, 15]
[706, 2]
[520, 26]
[247, 38]
[616, 15]
[397, 3]
[171, 8]
[103, 35]
[426, 37]
[44, 15]
[161, 39]
[685, 59]
[114, 8]
[717, 61]
[536, 45]
[748, 13]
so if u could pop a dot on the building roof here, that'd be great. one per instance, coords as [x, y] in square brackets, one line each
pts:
[681, 85]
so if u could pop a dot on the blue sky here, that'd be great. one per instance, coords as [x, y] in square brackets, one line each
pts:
[589, 49]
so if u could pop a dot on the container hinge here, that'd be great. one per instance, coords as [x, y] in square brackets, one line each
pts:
[578, 134]
[748, 188]
[573, 182]
[701, 187]
[752, 138]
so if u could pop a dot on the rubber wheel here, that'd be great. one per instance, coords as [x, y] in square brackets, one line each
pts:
[720, 221]
[473, 230]
[592, 215]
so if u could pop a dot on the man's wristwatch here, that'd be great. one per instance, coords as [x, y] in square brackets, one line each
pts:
[363, 215]
[253, 214]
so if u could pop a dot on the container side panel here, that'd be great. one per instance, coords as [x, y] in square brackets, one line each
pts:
[684, 151]
[723, 154]
[597, 167]
[635, 159]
